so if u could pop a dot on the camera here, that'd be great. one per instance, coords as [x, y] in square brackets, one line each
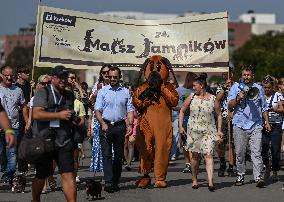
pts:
[75, 118]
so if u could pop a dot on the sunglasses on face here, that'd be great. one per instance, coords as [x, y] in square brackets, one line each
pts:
[113, 77]
[104, 72]
[44, 83]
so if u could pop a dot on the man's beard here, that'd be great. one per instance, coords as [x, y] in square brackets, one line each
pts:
[113, 83]
[246, 81]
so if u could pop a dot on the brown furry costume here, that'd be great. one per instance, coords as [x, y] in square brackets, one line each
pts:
[154, 99]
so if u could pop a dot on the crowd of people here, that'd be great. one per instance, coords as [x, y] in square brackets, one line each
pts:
[243, 118]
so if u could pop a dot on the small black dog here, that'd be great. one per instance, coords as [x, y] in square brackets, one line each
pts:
[19, 184]
[93, 188]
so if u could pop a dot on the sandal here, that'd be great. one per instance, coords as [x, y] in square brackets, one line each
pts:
[44, 191]
[211, 188]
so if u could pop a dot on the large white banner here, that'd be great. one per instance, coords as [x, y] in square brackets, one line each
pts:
[87, 41]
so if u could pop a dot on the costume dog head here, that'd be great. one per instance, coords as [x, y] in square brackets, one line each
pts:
[157, 64]
[156, 70]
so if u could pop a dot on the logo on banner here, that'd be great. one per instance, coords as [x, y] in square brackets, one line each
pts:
[59, 19]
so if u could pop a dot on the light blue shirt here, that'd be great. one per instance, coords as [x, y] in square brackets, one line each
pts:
[248, 113]
[183, 94]
[114, 104]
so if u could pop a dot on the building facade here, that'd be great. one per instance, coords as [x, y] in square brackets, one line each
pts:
[258, 18]
[238, 34]
[25, 38]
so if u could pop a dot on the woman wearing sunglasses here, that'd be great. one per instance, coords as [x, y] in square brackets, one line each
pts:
[93, 123]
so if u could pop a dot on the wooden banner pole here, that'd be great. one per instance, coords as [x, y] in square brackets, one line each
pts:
[35, 49]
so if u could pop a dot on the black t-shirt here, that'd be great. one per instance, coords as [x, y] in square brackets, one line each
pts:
[26, 88]
[44, 98]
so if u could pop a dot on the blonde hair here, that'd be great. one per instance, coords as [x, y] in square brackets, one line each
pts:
[39, 80]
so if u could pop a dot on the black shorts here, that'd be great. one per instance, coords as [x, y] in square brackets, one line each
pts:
[64, 158]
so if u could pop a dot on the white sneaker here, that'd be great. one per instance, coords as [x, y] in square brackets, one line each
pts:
[77, 179]
[173, 158]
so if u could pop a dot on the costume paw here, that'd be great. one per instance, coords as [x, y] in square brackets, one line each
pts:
[144, 182]
[160, 184]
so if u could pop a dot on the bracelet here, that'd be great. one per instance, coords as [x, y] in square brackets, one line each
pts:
[9, 132]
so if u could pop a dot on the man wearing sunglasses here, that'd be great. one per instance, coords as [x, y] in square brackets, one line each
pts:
[23, 74]
[113, 109]
[7, 138]
[52, 109]
[13, 101]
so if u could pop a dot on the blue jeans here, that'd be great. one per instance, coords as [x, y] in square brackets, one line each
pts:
[176, 135]
[10, 155]
[175, 139]
[3, 158]
[274, 137]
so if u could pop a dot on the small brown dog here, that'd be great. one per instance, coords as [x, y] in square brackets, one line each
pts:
[19, 184]
[93, 188]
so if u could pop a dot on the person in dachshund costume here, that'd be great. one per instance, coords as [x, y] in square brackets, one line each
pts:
[154, 100]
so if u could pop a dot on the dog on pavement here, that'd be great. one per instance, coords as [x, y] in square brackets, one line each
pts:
[93, 188]
[19, 184]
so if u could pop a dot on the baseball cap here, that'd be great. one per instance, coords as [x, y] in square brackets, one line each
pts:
[60, 71]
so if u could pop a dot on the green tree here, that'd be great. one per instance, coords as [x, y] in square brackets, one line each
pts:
[21, 56]
[265, 53]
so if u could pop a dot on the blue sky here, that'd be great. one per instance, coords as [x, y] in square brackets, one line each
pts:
[18, 13]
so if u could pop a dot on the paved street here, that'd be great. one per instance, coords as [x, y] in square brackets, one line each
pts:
[179, 188]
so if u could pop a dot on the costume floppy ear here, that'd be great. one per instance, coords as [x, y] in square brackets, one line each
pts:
[168, 64]
[144, 65]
